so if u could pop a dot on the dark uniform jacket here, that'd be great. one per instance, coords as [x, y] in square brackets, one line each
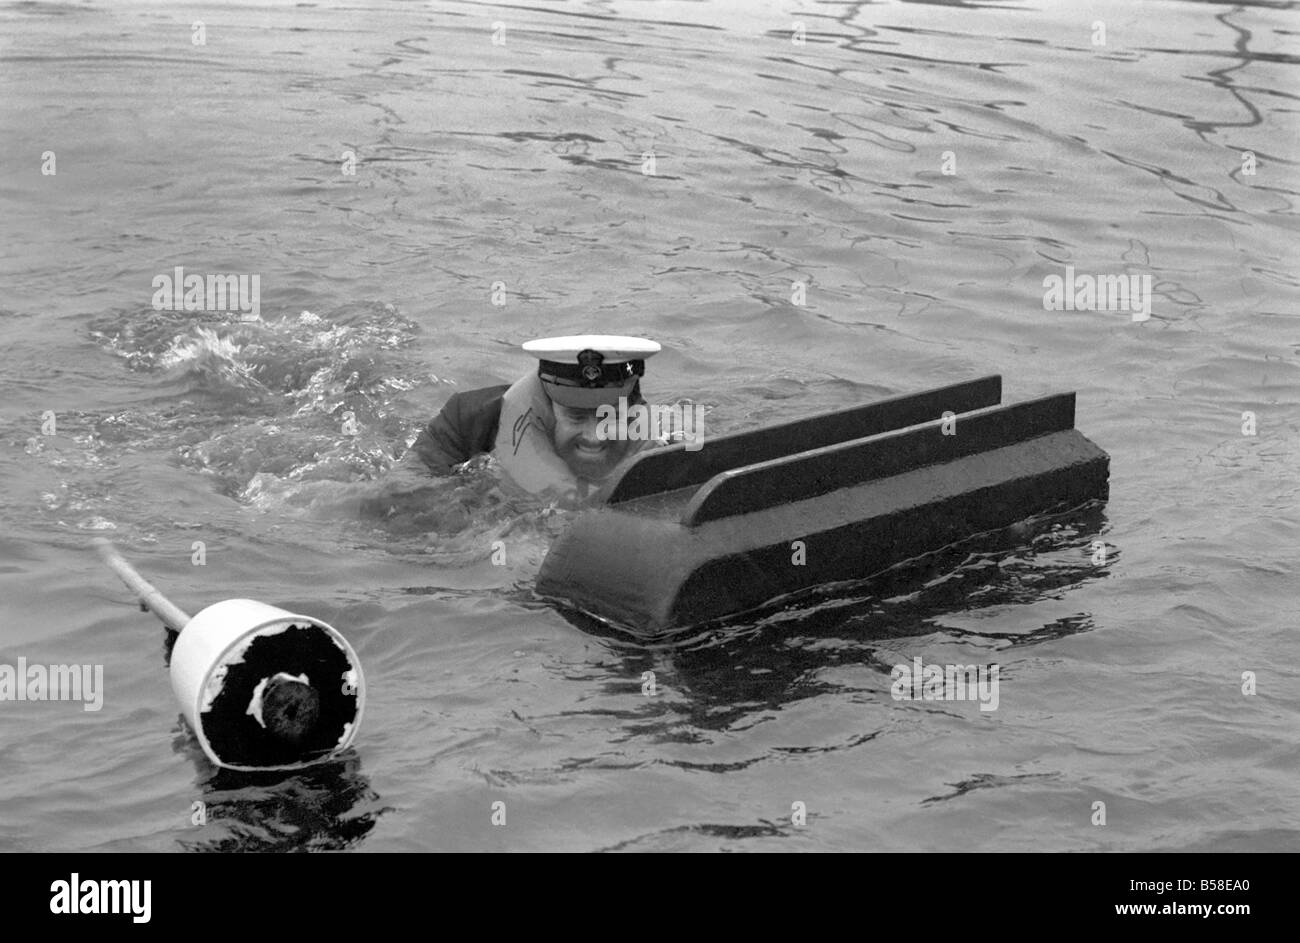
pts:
[467, 426]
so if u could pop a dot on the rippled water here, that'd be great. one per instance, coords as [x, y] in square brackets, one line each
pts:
[775, 162]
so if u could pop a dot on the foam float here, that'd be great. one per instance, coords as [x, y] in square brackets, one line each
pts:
[687, 537]
[262, 688]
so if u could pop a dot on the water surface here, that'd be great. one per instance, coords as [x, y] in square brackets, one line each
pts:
[775, 162]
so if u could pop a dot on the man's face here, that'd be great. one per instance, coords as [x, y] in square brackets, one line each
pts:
[576, 442]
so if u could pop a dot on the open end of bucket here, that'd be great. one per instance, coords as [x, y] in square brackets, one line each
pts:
[291, 698]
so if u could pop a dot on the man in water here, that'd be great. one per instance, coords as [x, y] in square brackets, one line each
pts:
[542, 430]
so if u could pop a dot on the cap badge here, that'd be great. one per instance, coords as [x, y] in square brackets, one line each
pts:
[590, 361]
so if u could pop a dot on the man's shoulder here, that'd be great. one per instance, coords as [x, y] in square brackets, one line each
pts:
[472, 402]
[474, 414]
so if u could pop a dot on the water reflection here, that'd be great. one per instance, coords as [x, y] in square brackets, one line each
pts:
[329, 806]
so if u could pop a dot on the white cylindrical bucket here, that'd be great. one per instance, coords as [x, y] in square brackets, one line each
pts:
[221, 665]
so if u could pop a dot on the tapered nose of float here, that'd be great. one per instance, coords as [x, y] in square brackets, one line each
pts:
[264, 688]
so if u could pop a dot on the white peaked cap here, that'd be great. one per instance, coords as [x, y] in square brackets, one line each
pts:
[585, 371]
[612, 347]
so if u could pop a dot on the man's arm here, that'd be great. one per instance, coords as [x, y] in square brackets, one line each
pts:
[466, 426]
[440, 445]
